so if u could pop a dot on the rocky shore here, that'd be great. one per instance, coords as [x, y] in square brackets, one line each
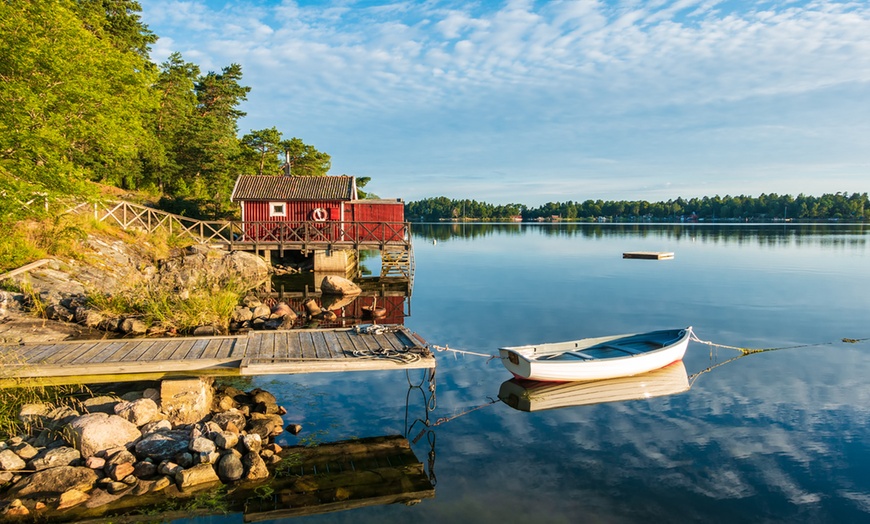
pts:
[182, 436]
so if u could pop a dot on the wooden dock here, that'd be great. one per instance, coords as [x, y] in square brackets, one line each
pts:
[255, 353]
[649, 255]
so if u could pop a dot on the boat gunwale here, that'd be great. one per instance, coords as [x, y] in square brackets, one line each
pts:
[539, 351]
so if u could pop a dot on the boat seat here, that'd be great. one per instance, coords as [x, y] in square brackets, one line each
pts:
[578, 354]
[625, 349]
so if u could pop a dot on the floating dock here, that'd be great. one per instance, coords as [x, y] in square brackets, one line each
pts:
[254, 353]
[649, 255]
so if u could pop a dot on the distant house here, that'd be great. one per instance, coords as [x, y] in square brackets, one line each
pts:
[294, 201]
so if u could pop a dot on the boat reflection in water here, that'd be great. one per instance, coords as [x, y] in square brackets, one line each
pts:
[528, 395]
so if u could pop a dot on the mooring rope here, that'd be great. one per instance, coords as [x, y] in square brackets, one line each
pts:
[405, 355]
[748, 351]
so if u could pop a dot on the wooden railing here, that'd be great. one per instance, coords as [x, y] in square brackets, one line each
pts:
[239, 235]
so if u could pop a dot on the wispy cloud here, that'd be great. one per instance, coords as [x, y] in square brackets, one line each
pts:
[457, 88]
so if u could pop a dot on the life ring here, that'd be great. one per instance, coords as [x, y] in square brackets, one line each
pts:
[319, 214]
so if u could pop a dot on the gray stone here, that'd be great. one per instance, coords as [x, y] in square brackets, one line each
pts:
[144, 469]
[9, 461]
[186, 401]
[33, 413]
[157, 425]
[98, 432]
[163, 445]
[139, 412]
[133, 326]
[230, 468]
[65, 456]
[59, 417]
[24, 450]
[259, 395]
[168, 468]
[202, 445]
[50, 482]
[121, 456]
[261, 427]
[185, 459]
[242, 314]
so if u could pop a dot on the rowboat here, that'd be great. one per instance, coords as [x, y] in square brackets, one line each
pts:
[530, 395]
[597, 358]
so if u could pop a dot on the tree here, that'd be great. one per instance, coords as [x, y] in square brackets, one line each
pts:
[304, 159]
[263, 146]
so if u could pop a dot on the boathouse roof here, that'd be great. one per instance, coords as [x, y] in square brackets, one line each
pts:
[264, 187]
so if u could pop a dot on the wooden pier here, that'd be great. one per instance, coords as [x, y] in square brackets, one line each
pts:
[255, 353]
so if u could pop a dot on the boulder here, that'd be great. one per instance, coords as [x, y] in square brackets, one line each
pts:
[163, 445]
[202, 445]
[97, 432]
[335, 285]
[32, 413]
[9, 461]
[133, 326]
[64, 456]
[230, 467]
[50, 482]
[255, 467]
[226, 440]
[252, 442]
[234, 416]
[186, 401]
[139, 412]
[196, 475]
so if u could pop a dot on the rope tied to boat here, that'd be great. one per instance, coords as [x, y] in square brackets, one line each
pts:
[749, 351]
[465, 352]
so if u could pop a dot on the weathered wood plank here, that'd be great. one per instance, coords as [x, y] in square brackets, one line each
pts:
[307, 345]
[142, 349]
[343, 339]
[110, 349]
[43, 351]
[294, 348]
[320, 346]
[176, 346]
[199, 348]
[84, 356]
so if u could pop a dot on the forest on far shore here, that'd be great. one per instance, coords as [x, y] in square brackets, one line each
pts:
[838, 206]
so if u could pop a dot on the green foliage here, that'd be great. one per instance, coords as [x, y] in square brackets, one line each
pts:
[14, 396]
[261, 149]
[838, 206]
[305, 160]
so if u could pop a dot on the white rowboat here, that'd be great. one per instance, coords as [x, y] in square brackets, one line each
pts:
[528, 395]
[597, 358]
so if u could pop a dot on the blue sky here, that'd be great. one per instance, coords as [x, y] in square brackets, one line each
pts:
[532, 102]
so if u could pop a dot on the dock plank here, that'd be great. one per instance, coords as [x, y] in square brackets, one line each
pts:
[306, 344]
[320, 346]
[84, 356]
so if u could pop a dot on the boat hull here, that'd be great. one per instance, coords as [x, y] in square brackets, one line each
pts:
[597, 358]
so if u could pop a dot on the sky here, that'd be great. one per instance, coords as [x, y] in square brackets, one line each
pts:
[533, 101]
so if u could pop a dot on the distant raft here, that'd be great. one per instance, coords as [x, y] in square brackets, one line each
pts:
[597, 358]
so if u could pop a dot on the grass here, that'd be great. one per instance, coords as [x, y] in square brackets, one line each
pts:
[12, 398]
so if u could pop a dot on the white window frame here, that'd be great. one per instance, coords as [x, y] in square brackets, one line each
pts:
[273, 213]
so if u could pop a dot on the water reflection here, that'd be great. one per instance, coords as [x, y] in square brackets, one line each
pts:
[760, 234]
[524, 395]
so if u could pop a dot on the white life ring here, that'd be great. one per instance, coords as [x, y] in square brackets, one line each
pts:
[319, 214]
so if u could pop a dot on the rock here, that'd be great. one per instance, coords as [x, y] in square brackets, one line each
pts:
[312, 308]
[252, 442]
[262, 311]
[186, 401]
[48, 438]
[95, 462]
[16, 509]
[185, 459]
[71, 498]
[117, 487]
[261, 427]
[121, 456]
[168, 468]
[163, 445]
[64, 456]
[282, 310]
[49, 482]
[100, 498]
[335, 285]
[224, 403]
[226, 440]
[273, 447]
[196, 475]
[234, 416]
[158, 425]
[6, 477]
[255, 467]
[206, 331]
[242, 314]
[202, 445]
[294, 428]
[9, 461]
[98, 432]
[251, 301]
[133, 326]
[102, 404]
[144, 469]
[24, 450]
[259, 396]
[59, 417]
[118, 472]
[230, 467]
[139, 412]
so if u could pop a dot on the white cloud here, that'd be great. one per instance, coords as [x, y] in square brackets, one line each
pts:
[388, 89]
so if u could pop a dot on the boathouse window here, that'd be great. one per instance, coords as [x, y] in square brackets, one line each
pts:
[277, 209]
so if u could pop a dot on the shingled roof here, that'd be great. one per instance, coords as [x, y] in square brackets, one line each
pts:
[251, 187]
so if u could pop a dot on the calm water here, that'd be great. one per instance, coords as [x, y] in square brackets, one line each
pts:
[781, 436]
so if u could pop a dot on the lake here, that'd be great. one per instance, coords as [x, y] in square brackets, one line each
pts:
[779, 436]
